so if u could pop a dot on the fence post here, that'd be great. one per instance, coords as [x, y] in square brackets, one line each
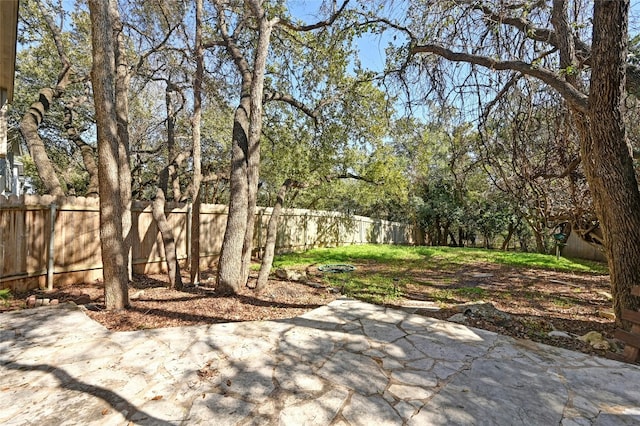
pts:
[51, 251]
[188, 231]
[304, 235]
[260, 249]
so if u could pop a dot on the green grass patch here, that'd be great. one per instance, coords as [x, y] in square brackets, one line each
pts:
[362, 254]
[445, 258]
[473, 293]
[5, 296]
[459, 295]
[395, 264]
[562, 302]
[374, 288]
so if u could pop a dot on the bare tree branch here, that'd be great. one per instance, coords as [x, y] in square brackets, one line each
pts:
[312, 113]
[319, 24]
[573, 96]
[573, 165]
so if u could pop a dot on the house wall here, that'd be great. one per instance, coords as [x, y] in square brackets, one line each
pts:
[576, 247]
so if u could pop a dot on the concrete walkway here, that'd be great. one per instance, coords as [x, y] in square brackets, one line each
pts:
[348, 363]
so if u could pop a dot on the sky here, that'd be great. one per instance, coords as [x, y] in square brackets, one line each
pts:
[371, 47]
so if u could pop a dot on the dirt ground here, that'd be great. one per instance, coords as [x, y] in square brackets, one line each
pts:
[530, 303]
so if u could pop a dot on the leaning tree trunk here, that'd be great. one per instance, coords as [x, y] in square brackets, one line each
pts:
[272, 234]
[537, 234]
[29, 128]
[157, 210]
[86, 150]
[33, 118]
[606, 155]
[111, 209]
[510, 231]
[453, 240]
[158, 205]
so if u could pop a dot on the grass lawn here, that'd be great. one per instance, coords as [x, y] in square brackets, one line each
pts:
[384, 273]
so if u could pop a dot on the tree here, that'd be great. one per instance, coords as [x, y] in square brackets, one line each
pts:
[235, 258]
[272, 234]
[538, 40]
[529, 148]
[103, 74]
[159, 203]
[196, 119]
[40, 14]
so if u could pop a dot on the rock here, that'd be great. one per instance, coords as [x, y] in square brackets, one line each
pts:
[55, 301]
[291, 275]
[298, 276]
[615, 347]
[483, 309]
[607, 314]
[603, 344]
[605, 294]
[596, 340]
[459, 318]
[136, 295]
[92, 307]
[592, 336]
[31, 301]
[81, 299]
[482, 275]
[558, 333]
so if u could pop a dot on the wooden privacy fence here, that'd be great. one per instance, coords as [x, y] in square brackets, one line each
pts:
[631, 338]
[47, 241]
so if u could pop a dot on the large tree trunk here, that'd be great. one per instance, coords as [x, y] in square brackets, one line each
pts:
[123, 78]
[235, 259]
[606, 156]
[197, 149]
[445, 234]
[540, 246]
[111, 210]
[230, 265]
[272, 234]
[255, 131]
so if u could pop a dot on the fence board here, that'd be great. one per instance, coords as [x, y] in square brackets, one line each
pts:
[631, 316]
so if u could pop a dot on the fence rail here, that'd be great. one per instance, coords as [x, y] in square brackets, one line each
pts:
[55, 241]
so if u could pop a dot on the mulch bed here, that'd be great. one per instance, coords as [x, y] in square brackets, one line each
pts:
[536, 301]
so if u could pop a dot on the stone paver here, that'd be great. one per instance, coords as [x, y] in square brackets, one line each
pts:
[347, 363]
